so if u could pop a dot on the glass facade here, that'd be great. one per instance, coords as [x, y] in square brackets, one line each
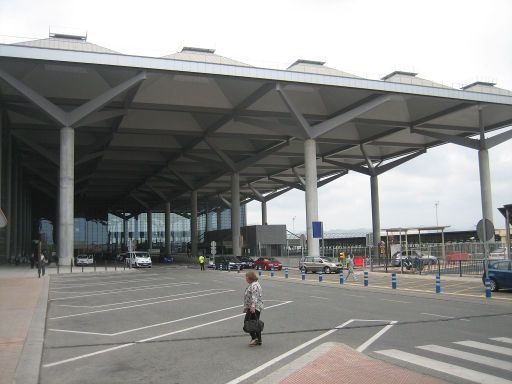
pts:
[92, 236]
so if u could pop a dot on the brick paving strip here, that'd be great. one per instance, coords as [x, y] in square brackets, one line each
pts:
[338, 363]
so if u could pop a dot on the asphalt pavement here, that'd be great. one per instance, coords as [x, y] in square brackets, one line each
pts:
[182, 325]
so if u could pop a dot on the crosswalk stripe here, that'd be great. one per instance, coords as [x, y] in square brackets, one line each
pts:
[491, 362]
[486, 347]
[450, 369]
[503, 339]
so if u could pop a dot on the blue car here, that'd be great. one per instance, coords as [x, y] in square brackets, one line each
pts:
[166, 259]
[500, 275]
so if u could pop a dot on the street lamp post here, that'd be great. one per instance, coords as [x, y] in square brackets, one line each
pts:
[293, 224]
[436, 204]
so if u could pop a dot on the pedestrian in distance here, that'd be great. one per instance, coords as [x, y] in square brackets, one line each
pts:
[201, 262]
[253, 304]
[351, 268]
[42, 265]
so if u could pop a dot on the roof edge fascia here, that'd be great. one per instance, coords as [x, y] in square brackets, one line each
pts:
[161, 64]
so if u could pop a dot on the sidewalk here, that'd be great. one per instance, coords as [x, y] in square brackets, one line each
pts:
[23, 301]
[335, 363]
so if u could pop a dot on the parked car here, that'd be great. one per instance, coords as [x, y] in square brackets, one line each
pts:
[246, 261]
[318, 264]
[266, 263]
[500, 274]
[84, 260]
[396, 259]
[499, 253]
[137, 259]
[166, 259]
[226, 261]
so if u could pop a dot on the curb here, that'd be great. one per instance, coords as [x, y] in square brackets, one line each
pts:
[29, 364]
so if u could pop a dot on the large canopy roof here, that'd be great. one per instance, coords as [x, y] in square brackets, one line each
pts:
[195, 117]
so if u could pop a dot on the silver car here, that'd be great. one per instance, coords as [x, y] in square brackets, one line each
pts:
[318, 264]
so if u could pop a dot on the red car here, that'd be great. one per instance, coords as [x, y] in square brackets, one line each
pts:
[267, 263]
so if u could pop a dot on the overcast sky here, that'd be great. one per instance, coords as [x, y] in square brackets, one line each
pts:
[454, 42]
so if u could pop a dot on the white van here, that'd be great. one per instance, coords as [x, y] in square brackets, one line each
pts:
[137, 259]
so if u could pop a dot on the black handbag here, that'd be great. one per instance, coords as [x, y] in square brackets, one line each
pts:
[253, 325]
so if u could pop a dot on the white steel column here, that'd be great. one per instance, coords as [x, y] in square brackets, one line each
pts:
[193, 223]
[485, 183]
[235, 213]
[311, 195]
[150, 229]
[264, 213]
[167, 228]
[66, 195]
[374, 185]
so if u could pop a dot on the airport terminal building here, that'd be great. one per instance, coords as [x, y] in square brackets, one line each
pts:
[100, 148]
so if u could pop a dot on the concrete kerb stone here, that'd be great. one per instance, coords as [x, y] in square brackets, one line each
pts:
[29, 363]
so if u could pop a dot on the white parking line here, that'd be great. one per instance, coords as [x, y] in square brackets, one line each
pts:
[436, 315]
[138, 305]
[109, 283]
[137, 301]
[116, 291]
[152, 338]
[396, 301]
[318, 297]
[147, 326]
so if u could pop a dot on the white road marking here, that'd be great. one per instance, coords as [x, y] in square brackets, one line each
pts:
[503, 339]
[286, 354]
[110, 283]
[318, 297]
[486, 347]
[138, 305]
[146, 326]
[372, 339]
[87, 355]
[397, 301]
[116, 291]
[436, 315]
[450, 369]
[489, 361]
[137, 301]
[151, 338]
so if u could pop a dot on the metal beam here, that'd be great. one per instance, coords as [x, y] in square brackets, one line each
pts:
[459, 140]
[386, 167]
[225, 201]
[102, 116]
[322, 182]
[76, 116]
[498, 139]
[352, 167]
[343, 118]
[304, 132]
[54, 112]
[89, 157]
[158, 193]
[182, 178]
[225, 158]
[446, 112]
[258, 195]
[38, 148]
[298, 176]
[288, 183]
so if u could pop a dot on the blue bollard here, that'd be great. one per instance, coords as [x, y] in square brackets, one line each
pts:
[303, 274]
[488, 288]
[238, 269]
[320, 277]
[365, 278]
[393, 280]
[342, 277]
[272, 271]
[438, 284]
[259, 272]
[285, 272]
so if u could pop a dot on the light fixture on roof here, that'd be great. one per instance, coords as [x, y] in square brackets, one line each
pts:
[67, 33]
[477, 83]
[403, 73]
[307, 62]
[197, 50]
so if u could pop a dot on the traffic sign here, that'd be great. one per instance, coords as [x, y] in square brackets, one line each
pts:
[489, 230]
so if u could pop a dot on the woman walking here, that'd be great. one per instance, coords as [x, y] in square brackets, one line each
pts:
[253, 303]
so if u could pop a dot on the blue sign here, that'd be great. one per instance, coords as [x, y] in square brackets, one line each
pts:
[318, 229]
